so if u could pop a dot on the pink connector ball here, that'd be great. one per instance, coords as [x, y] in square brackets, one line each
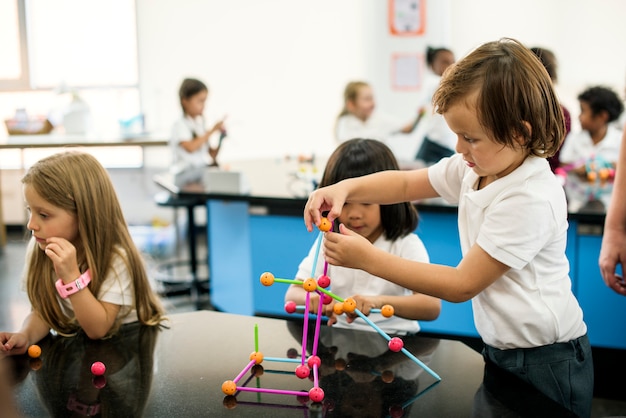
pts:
[290, 306]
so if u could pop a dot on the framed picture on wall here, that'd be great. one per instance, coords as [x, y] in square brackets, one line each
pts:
[407, 17]
[407, 71]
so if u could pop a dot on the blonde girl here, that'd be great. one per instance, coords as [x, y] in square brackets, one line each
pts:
[83, 271]
[357, 119]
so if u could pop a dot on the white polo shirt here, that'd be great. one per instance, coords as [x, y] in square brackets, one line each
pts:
[521, 221]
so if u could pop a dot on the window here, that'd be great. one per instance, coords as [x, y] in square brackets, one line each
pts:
[68, 42]
[13, 51]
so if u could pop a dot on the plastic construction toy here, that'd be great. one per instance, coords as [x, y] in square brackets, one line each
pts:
[312, 363]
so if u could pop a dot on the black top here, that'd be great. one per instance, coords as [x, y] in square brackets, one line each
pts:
[179, 372]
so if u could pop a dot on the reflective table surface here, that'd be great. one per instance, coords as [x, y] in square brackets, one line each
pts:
[178, 371]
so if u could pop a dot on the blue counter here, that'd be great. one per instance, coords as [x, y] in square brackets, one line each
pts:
[251, 234]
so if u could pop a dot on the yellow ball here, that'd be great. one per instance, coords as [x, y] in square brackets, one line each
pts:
[267, 279]
[325, 225]
[349, 305]
[229, 387]
[34, 351]
[310, 285]
[387, 311]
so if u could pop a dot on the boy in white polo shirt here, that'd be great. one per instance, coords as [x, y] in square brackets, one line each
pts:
[500, 102]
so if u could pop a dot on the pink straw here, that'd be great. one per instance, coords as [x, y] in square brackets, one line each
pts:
[306, 325]
[248, 367]
[277, 391]
[318, 322]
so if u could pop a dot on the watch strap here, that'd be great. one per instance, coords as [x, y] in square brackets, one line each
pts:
[77, 285]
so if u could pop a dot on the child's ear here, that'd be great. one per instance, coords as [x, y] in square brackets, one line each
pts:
[523, 137]
[350, 105]
[604, 115]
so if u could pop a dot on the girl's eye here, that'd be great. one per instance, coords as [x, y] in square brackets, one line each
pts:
[469, 140]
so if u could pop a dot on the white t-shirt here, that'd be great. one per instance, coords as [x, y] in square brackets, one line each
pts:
[521, 221]
[578, 147]
[186, 129]
[347, 282]
[117, 289]
[377, 126]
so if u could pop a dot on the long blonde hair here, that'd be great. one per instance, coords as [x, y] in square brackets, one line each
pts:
[350, 94]
[77, 182]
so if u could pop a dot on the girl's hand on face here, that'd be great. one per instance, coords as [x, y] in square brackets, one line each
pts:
[63, 256]
[346, 248]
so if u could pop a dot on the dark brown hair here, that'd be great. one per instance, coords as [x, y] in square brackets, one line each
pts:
[359, 157]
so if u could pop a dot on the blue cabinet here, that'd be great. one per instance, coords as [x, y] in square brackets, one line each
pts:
[440, 234]
[604, 310]
[243, 245]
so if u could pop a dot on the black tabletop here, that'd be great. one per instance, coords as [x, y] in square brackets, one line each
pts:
[179, 372]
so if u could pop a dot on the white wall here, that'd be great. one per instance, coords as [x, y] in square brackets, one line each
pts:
[277, 68]
[587, 36]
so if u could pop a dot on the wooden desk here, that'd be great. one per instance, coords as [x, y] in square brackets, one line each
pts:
[54, 140]
[178, 372]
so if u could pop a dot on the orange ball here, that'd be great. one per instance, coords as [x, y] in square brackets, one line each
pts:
[310, 285]
[592, 176]
[325, 225]
[338, 308]
[267, 279]
[35, 363]
[34, 351]
[349, 305]
[257, 356]
[387, 311]
[229, 387]
[387, 376]
[229, 402]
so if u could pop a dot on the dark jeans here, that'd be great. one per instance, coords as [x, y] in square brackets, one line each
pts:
[430, 152]
[561, 371]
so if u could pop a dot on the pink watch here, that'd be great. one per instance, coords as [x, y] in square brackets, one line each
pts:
[77, 285]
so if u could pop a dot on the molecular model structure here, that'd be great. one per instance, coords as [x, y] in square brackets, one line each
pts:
[313, 362]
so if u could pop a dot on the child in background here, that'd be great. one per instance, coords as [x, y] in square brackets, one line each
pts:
[190, 140]
[83, 271]
[548, 59]
[598, 139]
[389, 228]
[358, 120]
[512, 216]
[439, 140]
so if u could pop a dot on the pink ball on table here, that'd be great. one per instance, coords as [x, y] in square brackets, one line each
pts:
[99, 382]
[396, 344]
[290, 306]
[316, 394]
[98, 368]
[303, 371]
